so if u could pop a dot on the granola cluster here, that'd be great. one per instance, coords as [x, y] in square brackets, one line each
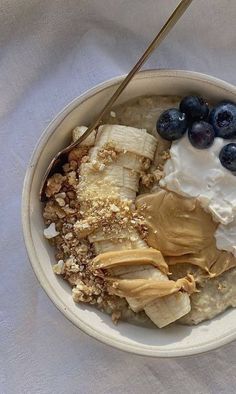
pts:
[158, 173]
[108, 153]
[110, 216]
[70, 221]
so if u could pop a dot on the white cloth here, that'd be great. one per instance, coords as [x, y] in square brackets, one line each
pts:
[51, 52]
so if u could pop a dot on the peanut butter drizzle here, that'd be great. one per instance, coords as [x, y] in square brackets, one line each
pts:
[147, 290]
[183, 232]
[130, 257]
[144, 290]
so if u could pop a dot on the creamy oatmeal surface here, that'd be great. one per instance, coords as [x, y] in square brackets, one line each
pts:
[85, 219]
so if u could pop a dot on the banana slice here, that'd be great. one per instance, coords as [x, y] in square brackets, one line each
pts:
[129, 272]
[166, 310]
[111, 176]
[144, 272]
[118, 244]
[159, 311]
[126, 194]
[121, 178]
[128, 139]
[99, 235]
[162, 311]
[127, 160]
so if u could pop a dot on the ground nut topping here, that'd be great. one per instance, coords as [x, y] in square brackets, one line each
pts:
[54, 184]
[108, 153]
[68, 227]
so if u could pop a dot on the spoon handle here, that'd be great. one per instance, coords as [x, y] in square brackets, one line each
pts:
[61, 156]
[170, 23]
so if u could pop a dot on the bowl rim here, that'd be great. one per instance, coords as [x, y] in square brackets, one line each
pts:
[25, 217]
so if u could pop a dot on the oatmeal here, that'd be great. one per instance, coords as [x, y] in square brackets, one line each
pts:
[154, 258]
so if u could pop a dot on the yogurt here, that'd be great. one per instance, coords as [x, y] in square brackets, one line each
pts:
[199, 173]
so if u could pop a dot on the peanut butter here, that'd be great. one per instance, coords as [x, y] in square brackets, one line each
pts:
[133, 257]
[183, 231]
[145, 291]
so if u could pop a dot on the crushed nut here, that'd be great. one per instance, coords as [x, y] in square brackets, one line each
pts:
[74, 217]
[50, 231]
[114, 208]
[158, 174]
[54, 184]
[147, 179]
[113, 114]
[59, 267]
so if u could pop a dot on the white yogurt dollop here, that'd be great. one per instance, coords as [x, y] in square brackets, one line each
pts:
[226, 237]
[199, 173]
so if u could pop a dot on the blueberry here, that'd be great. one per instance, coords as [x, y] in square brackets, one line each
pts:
[228, 156]
[194, 107]
[223, 120]
[172, 124]
[201, 135]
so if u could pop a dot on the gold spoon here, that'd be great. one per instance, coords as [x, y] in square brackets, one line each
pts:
[61, 157]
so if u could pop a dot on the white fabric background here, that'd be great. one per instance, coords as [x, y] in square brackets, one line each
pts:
[50, 52]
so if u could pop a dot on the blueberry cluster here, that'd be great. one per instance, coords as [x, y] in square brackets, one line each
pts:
[202, 125]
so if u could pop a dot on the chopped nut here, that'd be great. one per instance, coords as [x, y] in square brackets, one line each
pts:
[71, 194]
[147, 179]
[77, 212]
[59, 267]
[114, 208]
[165, 155]
[72, 179]
[69, 236]
[158, 174]
[84, 159]
[77, 154]
[54, 184]
[51, 231]
[60, 202]
[145, 163]
[73, 165]
[60, 195]
[107, 153]
[113, 114]
[66, 167]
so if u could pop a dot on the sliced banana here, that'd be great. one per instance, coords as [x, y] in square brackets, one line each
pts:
[99, 235]
[162, 311]
[128, 272]
[121, 178]
[118, 244]
[126, 194]
[128, 139]
[141, 272]
[113, 176]
[166, 310]
[127, 160]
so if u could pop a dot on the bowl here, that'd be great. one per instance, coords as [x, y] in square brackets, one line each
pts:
[175, 340]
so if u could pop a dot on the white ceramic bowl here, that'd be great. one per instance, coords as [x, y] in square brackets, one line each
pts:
[175, 340]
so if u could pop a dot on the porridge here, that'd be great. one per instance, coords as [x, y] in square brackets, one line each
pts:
[143, 219]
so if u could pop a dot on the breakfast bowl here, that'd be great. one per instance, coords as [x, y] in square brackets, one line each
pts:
[175, 339]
